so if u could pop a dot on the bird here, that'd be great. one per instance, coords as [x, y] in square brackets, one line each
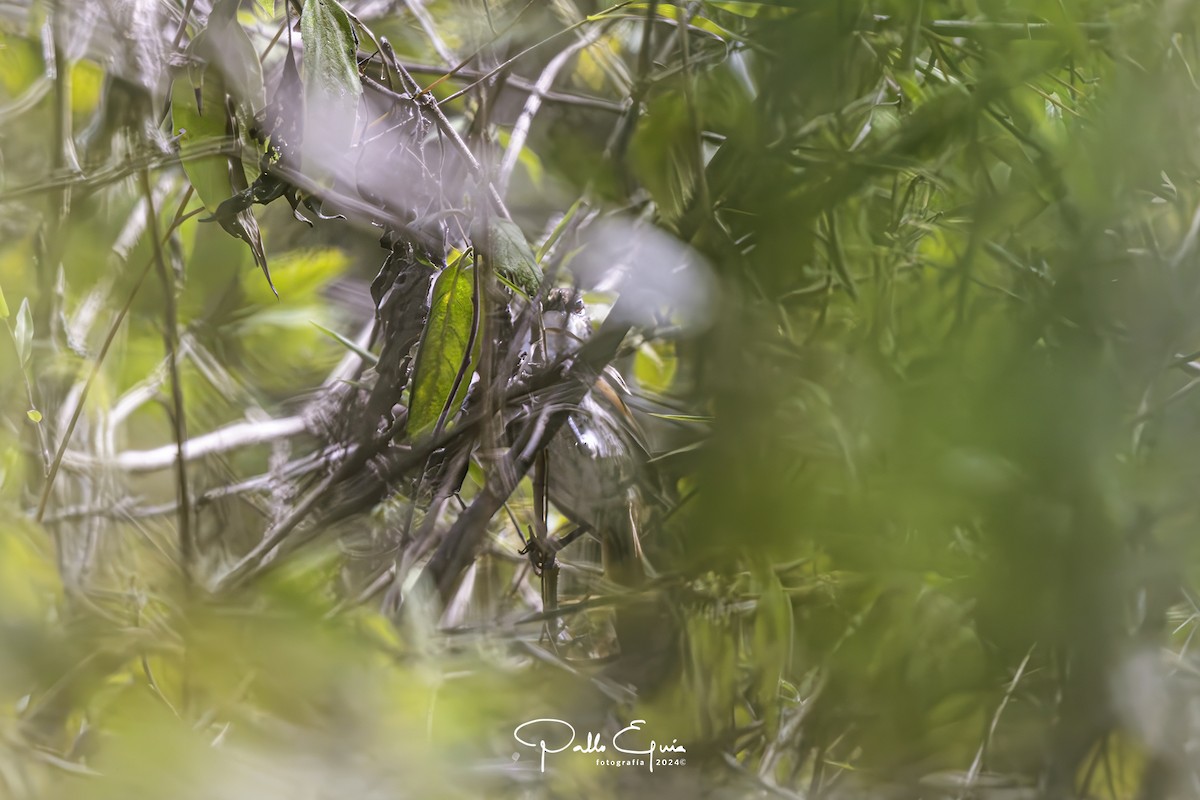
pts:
[598, 474]
[596, 461]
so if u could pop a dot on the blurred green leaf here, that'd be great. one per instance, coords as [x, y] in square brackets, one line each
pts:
[366, 355]
[772, 644]
[665, 151]
[225, 48]
[23, 332]
[200, 123]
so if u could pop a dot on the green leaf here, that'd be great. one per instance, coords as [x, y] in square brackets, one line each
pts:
[366, 355]
[773, 628]
[268, 7]
[330, 48]
[557, 233]
[202, 124]
[224, 47]
[512, 257]
[654, 366]
[331, 83]
[198, 117]
[3, 305]
[34, 415]
[672, 12]
[23, 332]
[443, 369]
[665, 154]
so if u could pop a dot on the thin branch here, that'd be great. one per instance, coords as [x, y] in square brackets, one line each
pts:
[533, 103]
[95, 370]
[487, 76]
[426, 22]
[464, 537]
[178, 416]
[222, 440]
[430, 104]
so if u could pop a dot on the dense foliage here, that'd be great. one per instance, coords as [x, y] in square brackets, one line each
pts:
[812, 380]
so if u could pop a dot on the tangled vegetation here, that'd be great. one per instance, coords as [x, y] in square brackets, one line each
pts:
[811, 381]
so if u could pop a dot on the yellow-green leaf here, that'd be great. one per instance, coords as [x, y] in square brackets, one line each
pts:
[198, 117]
[444, 361]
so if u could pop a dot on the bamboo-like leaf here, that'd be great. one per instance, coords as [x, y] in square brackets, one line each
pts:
[773, 625]
[444, 361]
[557, 233]
[664, 152]
[366, 355]
[23, 332]
[3, 305]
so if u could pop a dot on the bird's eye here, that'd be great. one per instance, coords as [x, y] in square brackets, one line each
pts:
[577, 306]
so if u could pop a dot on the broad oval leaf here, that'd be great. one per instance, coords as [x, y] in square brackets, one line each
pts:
[445, 359]
[198, 117]
[512, 257]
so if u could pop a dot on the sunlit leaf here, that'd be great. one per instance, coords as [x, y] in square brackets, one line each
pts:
[654, 366]
[443, 370]
[200, 123]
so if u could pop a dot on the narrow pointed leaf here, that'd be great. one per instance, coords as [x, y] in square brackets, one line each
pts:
[23, 332]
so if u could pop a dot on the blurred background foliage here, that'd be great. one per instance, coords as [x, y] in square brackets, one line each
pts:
[931, 444]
